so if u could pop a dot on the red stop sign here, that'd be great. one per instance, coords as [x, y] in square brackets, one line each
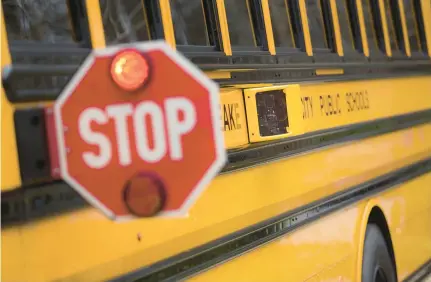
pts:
[142, 149]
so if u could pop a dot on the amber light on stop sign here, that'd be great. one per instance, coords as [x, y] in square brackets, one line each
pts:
[144, 195]
[130, 70]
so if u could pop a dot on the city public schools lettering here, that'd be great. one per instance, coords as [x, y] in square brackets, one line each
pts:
[230, 117]
[335, 104]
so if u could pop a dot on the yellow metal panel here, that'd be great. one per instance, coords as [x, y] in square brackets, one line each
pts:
[10, 172]
[243, 86]
[362, 27]
[11, 266]
[318, 251]
[95, 23]
[268, 27]
[224, 29]
[337, 31]
[342, 271]
[98, 248]
[313, 107]
[358, 103]
[408, 210]
[404, 26]
[305, 27]
[5, 56]
[385, 27]
[361, 228]
[329, 71]
[218, 74]
[168, 29]
[233, 118]
[426, 13]
[25, 105]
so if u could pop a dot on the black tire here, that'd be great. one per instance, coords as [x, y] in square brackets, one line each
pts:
[377, 265]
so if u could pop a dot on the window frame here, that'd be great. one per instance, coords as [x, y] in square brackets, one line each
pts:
[294, 24]
[329, 54]
[328, 21]
[289, 55]
[396, 22]
[79, 21]
[378, 25]
[352, 12]
[374, 54]
[420, 29]
[154, 23]
[351, 51]
[78, 18]
[213, 30]
[400, 25]
[417, 7]
[358, 37]
[258, 27]
[325, 21]
[24, 85]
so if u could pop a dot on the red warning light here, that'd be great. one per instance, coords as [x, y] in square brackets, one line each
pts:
[129, 70]
[144, 195]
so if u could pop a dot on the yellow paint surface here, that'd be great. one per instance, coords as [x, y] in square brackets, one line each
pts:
[313, 107]
[326, 250]
[10, 173]
[233, 118]
[98, 248]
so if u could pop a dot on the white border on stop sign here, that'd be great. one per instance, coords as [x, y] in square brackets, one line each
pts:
[189, 68]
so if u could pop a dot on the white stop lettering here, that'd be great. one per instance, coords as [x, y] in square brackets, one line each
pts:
[157, 116]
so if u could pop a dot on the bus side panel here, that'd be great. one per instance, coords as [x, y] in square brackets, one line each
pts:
[9, 158]
[95, 256]
[408, 212]
[336, 273]
[326, 249]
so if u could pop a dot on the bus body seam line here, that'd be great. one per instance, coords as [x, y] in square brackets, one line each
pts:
[204, 257]
[419, 273]
[37, 202]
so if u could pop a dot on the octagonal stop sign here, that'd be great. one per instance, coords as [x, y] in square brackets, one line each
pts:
[138, 131]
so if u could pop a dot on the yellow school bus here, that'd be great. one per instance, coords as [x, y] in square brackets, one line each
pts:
[326, 111]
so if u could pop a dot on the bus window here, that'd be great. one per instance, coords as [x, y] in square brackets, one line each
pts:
[194, 22]
[346, 27]
[394, 24]
[46, 21]
[352, 12]
[244, 19]
[369, 26]
[126, 21]
[318, 22]
[377, 24]
[282, 24]
[421, 25]
[415, 26]
[412, 31]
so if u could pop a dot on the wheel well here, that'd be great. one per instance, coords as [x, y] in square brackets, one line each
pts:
[377, 217]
